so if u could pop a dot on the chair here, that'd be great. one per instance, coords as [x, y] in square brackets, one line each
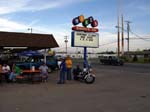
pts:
[36, 78]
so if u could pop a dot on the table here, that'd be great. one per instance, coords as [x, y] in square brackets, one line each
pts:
[30, 71]
[32, 74]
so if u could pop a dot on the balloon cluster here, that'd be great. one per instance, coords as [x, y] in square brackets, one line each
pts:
[85, 22]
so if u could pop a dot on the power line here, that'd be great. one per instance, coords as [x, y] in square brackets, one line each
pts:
[108, 43]
[139, 36]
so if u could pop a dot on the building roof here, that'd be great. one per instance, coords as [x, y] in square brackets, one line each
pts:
[29, 40]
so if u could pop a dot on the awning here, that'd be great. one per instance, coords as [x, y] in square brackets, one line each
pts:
[26, 41]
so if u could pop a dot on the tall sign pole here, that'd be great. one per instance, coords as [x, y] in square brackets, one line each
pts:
[85, 57]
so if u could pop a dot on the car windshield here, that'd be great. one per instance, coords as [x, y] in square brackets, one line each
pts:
[34, 59]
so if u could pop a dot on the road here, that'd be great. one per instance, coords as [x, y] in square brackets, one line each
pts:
[117, 89]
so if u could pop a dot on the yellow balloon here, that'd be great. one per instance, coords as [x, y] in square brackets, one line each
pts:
[81, 18]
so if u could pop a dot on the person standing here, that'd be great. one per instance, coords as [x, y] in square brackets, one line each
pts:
[69, 67]
[44, 72]
[59, 62]
[0, 71]
[62, 72]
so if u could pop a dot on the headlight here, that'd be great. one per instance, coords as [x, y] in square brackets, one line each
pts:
[90, 70]
[84, 70]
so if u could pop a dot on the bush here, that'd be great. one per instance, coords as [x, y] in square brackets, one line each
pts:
[135, 58]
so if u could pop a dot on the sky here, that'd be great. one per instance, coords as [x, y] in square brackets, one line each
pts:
[55, 17]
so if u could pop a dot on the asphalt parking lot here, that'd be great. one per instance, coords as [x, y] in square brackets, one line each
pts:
[117, 89]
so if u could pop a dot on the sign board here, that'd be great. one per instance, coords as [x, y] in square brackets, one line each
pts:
[84, 39]
[78, 28]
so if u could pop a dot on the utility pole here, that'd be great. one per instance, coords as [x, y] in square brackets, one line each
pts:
[118, 38]
[66, 41]
[122, 37]
[128, 30]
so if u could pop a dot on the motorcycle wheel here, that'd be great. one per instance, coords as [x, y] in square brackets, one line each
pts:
[89, 79]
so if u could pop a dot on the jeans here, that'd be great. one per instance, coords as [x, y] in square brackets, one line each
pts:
[62, 77]
[44, 76]
[12, 76]
[69, 76]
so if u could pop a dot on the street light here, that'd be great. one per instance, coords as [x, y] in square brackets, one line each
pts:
[66, 41]
[30, 29]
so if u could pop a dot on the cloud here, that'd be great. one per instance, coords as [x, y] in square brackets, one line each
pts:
[107, 39]
[9, 6]
[139, 6]
[11, 25]
[145, 8]
[58, 31]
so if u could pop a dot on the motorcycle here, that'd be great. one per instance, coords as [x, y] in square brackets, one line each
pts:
[85, 75]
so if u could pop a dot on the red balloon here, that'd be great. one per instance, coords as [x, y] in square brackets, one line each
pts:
[94, 23]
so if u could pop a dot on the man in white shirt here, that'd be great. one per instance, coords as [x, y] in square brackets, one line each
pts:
[44, 72]
[6, 71]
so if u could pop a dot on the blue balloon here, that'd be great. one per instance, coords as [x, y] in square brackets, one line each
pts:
[91, 19]
[75, 21]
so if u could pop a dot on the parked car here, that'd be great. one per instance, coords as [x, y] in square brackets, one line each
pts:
[59, 57]
[111, 60]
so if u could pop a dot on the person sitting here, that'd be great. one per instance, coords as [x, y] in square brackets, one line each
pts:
[44, 72]
[76, 72]
[15, 72]
[6, 71]
[0, 72]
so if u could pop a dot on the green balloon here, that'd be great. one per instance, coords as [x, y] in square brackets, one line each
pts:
[85, 23]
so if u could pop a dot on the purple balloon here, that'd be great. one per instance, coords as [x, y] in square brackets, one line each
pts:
[91, 19]
[75, 21]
